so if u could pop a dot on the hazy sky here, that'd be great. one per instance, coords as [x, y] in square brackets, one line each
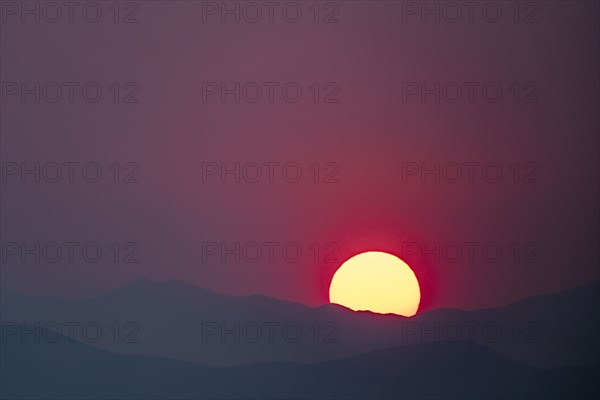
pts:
[398, 125]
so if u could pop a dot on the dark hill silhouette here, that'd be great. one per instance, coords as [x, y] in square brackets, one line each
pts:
[443, 370]
[545, 331]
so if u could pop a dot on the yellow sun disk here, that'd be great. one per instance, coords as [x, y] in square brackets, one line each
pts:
[377, 282]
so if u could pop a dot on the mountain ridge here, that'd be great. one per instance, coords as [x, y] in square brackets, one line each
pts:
[177, 320]
[77, 370]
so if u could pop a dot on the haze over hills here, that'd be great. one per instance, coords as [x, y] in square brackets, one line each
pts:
[176, 320]
[65, 369]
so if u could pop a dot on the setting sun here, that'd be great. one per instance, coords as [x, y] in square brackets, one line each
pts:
[378, 282]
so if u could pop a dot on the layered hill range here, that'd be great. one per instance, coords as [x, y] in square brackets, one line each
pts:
[176, 320]
[174, 340]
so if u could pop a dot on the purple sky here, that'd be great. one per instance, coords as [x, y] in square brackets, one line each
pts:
[366, 128]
